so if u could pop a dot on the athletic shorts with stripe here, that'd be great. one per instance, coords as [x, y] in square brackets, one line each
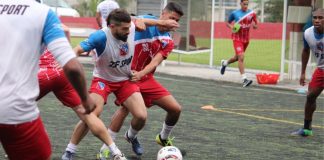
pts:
[57, 82]
[122, 90]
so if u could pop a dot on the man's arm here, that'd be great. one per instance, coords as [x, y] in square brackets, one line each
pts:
[304, 59]
[98, 19]
[255, 20]
[78, 50]
[157, 59]
[141, 23]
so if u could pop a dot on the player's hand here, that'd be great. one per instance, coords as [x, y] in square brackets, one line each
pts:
[88, 105]
[172, 25]
[136, 76]
[255, 26]
[302, 79]
[139, 25]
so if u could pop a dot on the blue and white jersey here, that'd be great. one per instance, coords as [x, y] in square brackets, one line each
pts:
[315, 42]
[113, 57]
[26, 26]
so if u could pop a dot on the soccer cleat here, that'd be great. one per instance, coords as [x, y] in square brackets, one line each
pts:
[223, 67]
[164, 142]
[302, 132]
[68, 155]
[136, 146]
[247, 82]
[119, 157]
[103, 154]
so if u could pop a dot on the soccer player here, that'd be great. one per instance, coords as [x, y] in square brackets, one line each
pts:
[52, 79]
[243, 17]
[314, 41]
[22, 133]
[152, 46]
[114, 47]
[103, 10]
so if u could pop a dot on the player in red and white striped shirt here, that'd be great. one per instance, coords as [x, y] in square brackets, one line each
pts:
[245, 18]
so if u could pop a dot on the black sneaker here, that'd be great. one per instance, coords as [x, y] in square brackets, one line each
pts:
[223, 67]
[68, 155]
[247, 82]
[137, 148]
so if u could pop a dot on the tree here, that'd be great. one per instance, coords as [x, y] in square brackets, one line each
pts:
[273, 10]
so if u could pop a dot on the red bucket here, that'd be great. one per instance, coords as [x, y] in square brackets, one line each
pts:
[266, 78]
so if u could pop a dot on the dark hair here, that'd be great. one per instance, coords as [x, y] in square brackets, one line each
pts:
[319, 11]
[243, 1]
[174, 7]
[117, 16]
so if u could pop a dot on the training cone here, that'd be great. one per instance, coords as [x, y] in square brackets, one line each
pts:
[207, 107]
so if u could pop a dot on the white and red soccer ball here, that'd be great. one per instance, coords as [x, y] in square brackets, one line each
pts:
[169, 153]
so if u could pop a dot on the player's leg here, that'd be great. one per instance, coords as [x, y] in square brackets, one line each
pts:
[25, 141]
[154, 93]
[135, 105]
[130, 97]
[315, 88]
[173, 109]
[116, 123]
[225, 63]
[90, 121]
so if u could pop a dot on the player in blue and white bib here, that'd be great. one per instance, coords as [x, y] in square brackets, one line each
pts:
[313, 41]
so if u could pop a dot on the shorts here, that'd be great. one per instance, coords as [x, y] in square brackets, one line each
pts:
[122, 90]
[240, 47]
[28, 141]
[151, 90]
[317, 79]
[57, 82]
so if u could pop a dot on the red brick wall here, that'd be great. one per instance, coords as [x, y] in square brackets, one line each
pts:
[198, 28]
[265, 30]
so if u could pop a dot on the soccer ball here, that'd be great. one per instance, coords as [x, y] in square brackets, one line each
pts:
[169, 153]
[236, 28]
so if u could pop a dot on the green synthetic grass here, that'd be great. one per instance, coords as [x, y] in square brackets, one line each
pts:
[261, 54]
[204, 135]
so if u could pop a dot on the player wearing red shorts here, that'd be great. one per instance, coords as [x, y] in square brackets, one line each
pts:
[245, 18]
[26, 26]
[152, 46]
[313, 40]
[114, 51]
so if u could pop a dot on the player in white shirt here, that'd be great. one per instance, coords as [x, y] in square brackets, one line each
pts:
[114, 50]
[103, 10]
[313, 41]
[25, 27]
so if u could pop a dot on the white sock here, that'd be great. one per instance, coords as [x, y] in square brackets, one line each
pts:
[113, 137]
[243, 76]
[225, 62]
[131, 133]
[71, 147]
[166, 130]
[112, 134]
[114, 149]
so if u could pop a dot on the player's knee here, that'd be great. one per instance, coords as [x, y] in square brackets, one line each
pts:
[141, 117]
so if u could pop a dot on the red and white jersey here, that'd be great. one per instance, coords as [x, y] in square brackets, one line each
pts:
[148, 43]
[245, 19]
[47, 63]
